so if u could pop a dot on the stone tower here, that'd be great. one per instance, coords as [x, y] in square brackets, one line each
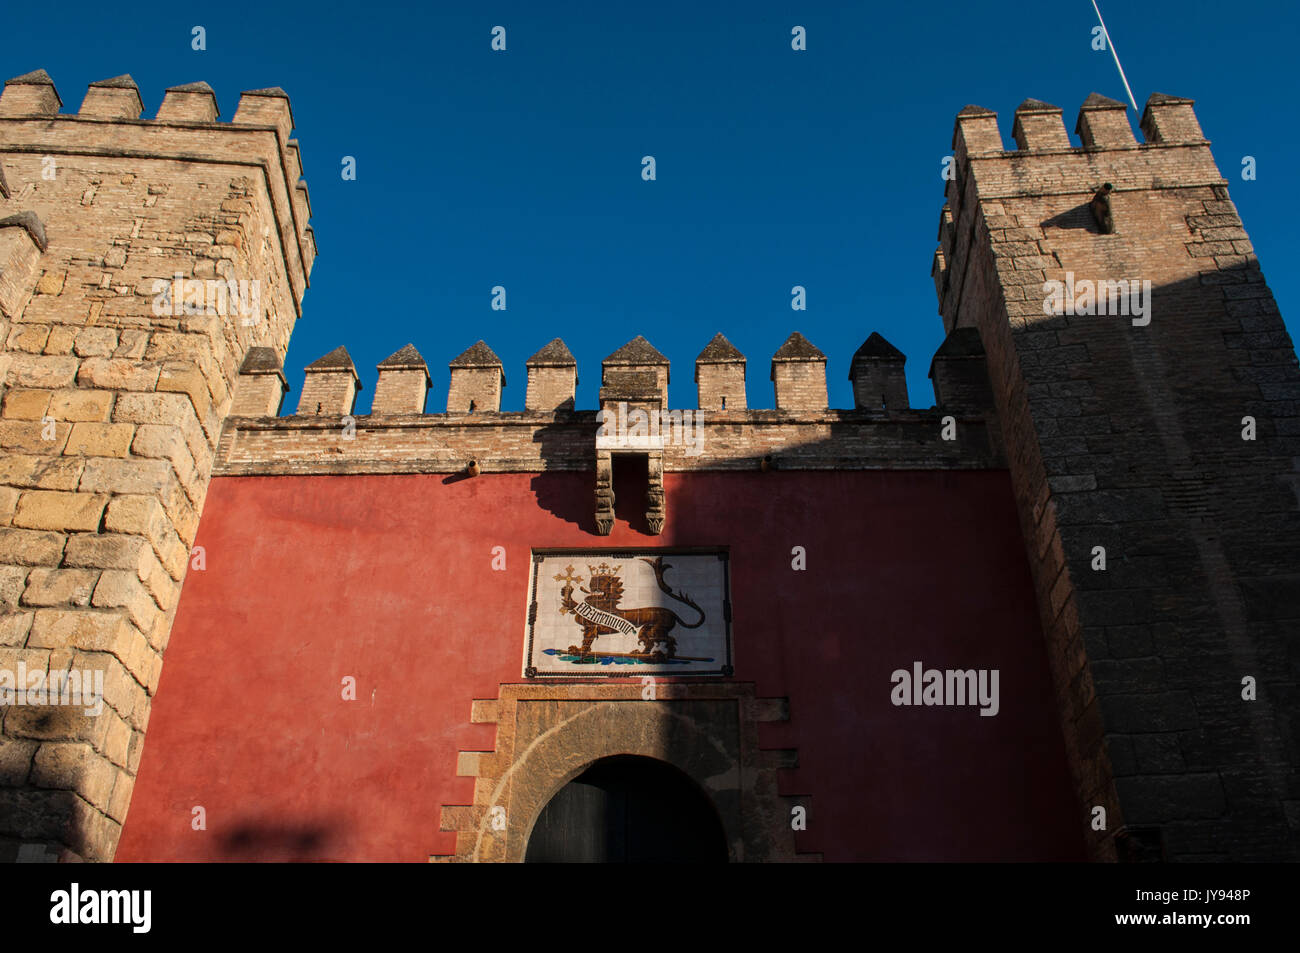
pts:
[140, 261]
[1155, 452]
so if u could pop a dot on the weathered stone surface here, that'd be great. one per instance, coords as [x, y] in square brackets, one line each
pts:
[1125, 434]
[30, 547]
[15, 761]
[144, 515]
[99, 440]
[38, 370]
[36, 436]
[57, 510]
[54, 587]
[114, 393]
[76, 628]
[79, 405]
[23, 404]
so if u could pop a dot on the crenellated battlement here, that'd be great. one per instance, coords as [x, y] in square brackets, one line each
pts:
[1048, 166]
[635, 371]
[1102, 124]
[34, 136]
[722, 432]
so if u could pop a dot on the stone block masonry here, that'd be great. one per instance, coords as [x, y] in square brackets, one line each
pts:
[801, 433]
[536, 442]
[118, 367]
[151, 272]
[1172, 446]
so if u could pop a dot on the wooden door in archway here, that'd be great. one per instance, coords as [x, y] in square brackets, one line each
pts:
[628, 809]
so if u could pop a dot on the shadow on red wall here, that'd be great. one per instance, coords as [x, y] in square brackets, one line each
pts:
[388, 581]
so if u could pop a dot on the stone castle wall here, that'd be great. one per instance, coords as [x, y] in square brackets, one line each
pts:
[1126, 433]
[113, 403]
[1119, 434]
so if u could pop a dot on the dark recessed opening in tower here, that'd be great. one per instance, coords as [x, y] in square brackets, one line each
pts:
[628, 809]
[631, 472]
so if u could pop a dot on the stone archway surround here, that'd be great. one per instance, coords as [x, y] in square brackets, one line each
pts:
[547, 734]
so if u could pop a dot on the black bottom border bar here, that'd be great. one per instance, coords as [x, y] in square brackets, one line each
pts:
[302, 902]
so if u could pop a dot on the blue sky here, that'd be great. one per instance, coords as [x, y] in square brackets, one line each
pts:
[774, 168]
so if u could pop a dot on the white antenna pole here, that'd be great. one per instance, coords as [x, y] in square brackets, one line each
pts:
[1106, 33]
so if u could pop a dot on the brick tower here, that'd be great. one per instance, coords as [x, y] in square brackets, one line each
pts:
[139, 263]
[1154, 451]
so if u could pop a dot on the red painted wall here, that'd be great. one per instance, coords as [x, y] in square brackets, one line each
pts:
[388, 579]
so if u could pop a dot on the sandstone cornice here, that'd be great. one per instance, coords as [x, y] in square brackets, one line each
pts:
[532, 442]
[214, 143]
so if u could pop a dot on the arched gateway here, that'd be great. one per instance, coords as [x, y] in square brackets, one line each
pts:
[628, 809]
[597, 772]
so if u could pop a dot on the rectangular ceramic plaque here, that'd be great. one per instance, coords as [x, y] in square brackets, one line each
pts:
[627, 613]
